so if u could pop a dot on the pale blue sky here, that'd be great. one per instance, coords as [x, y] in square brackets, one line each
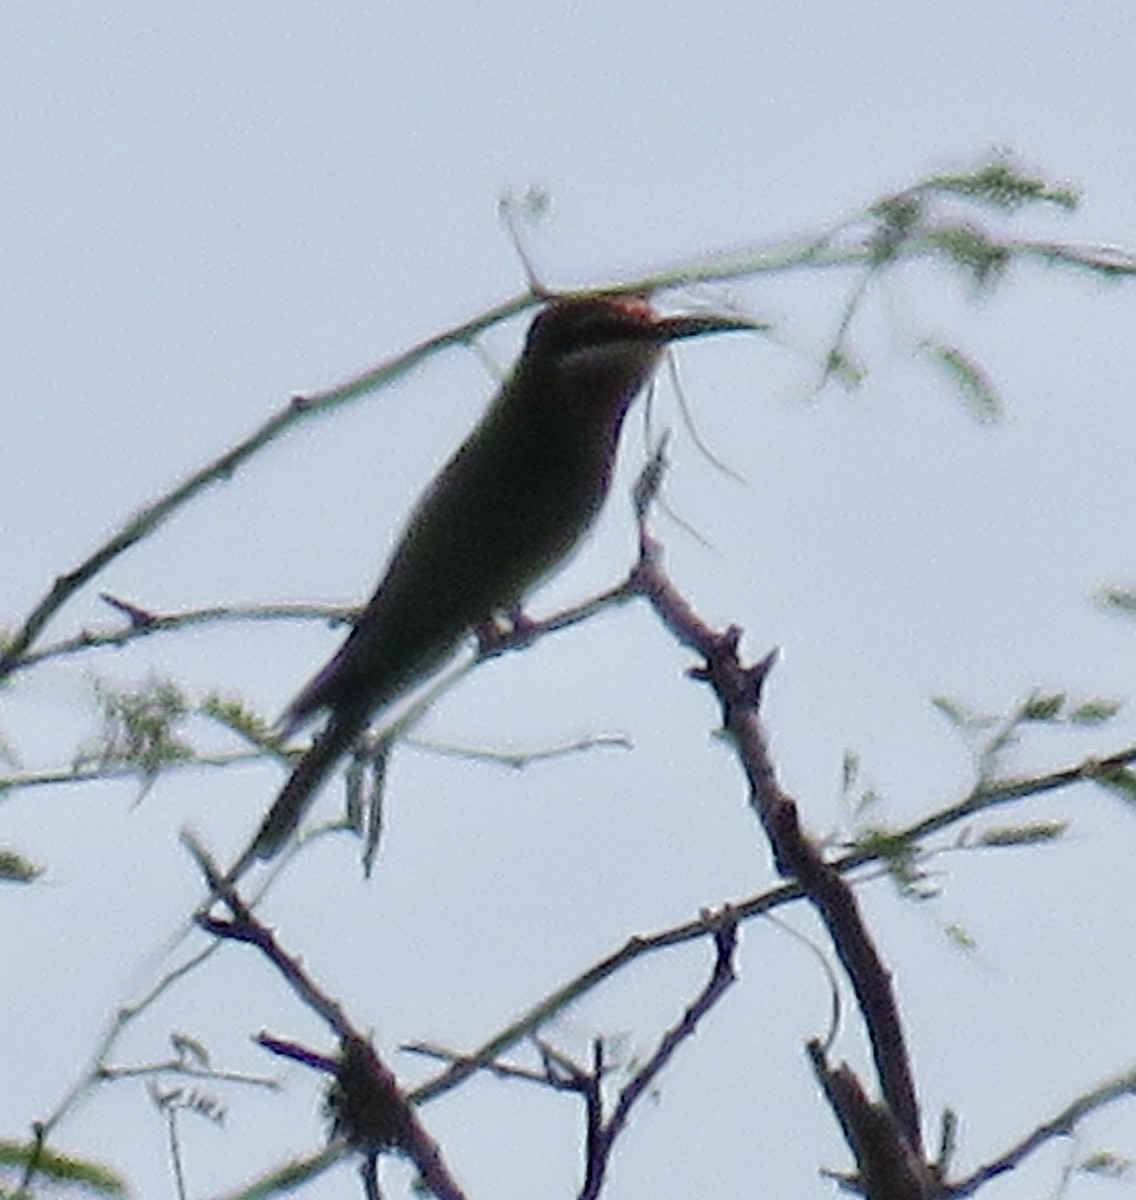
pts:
[207, 208]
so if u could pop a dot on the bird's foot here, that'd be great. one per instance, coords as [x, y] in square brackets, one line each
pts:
[504, 631]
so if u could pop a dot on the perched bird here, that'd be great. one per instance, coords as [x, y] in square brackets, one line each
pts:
[504, 512]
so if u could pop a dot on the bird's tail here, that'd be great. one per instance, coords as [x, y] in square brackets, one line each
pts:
[300, 790]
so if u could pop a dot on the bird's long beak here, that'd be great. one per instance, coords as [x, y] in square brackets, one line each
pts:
[672, 329]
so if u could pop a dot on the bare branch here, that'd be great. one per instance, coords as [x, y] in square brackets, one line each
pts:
[602, 1135]
[887, 1164]
[372, 1114]
[738, 690]
[1062, 1124]
[226, 465]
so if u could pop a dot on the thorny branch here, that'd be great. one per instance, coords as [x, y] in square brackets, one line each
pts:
[738, 690]
[888, 1166]
[372, 1114]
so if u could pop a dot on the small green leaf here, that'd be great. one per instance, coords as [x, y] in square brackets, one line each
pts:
[1123, 599]
[651, 477]
[960, 716]
[973, 251]
[869, 797]
[954, 712]
[842, 367]
[849, 771]
[83, 1174]
[1118, 780]
[960, 937]
[232, 713]
[901, 857]
[138, 728]
[1095, 712]
[1001, 185]
[1106, 1163]
[899, 217]
[973, 383]
[1042, 707]
[190, 1048]
[14, 868]
[1023, 835]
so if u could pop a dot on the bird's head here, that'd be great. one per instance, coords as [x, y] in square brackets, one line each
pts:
[607, 346]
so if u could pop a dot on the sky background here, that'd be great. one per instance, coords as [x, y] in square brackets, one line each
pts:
[209, 208]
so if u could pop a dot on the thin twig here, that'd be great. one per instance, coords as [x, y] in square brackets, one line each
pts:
[603, 1135]
[1062, 1124]
[225, 466]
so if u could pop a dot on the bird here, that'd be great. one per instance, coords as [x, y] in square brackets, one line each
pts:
[507, 509]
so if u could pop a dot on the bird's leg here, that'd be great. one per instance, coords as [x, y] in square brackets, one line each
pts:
[520, 625]
[491, 636]
[503, 631]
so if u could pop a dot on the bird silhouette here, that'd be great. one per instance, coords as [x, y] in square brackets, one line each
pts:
[504, 512]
